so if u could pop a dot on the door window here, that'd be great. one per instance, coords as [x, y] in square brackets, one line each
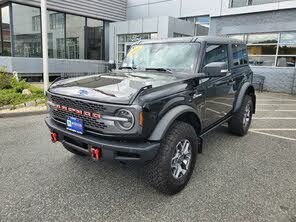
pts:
[240, 55]
[216, 53]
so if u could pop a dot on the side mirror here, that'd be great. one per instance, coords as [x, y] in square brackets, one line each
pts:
[216, 69]
[111, 65]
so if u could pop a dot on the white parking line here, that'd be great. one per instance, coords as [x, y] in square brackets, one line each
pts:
[276, 118]
[272, 129]
[276, 100]
[272, 135]
[273, 104]
[277, 110]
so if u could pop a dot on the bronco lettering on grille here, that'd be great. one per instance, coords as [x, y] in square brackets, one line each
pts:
[78, 112]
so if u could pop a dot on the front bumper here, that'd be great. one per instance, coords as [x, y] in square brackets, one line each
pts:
[116, 150]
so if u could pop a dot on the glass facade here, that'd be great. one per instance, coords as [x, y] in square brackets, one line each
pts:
[126, 41]
[69, 36]
[75, 37]
[202, 24]
[201, 20]
[94, 39]
[26, 31]
[56, 35]
[5, 32]
[242, 3]
[270, 49]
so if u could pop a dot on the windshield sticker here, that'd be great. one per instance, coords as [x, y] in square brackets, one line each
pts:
[134, 50]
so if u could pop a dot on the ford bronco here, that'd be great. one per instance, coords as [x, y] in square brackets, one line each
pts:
[156, 108]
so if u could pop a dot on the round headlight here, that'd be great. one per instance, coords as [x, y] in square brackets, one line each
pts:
[126, 119]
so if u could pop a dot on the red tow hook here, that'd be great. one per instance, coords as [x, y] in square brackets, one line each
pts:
[95, 153]
[54, 137]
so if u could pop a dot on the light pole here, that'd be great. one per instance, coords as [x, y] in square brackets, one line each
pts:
[44, 44]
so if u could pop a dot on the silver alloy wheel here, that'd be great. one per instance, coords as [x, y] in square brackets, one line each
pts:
[247, 115]
[181, 159]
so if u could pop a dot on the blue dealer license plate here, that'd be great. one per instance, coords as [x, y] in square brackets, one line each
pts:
[75, 125]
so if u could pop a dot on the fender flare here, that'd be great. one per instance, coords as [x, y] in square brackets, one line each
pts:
[167, 120]
[241, 95]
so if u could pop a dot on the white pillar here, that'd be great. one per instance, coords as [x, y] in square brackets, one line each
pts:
[44, 44]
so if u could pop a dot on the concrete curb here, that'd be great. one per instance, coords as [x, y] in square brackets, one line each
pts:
[21, 114]
[26, 104]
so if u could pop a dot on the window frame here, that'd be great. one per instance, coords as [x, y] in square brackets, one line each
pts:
[9, 5]
[278, 44]
[249, 3]
[35, 20]
[13, 53]
[228, 47]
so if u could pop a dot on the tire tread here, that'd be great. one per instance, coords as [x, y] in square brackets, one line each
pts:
[236, 122]
[157, 170]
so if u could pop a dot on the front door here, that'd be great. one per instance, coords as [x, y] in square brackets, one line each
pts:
[219, 90]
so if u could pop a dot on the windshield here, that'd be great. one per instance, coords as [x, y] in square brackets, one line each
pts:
[179, 57]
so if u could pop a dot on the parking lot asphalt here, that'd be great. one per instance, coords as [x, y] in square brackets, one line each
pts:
[252, 178]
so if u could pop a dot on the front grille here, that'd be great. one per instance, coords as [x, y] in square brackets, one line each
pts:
[77, 104]
[89, 122]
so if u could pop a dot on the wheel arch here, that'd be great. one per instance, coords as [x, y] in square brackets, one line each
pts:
[182, 113]
[246, 89]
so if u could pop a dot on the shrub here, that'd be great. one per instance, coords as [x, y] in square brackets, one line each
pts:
[11, 97]
[19, 86]
[11, 90]
[5, 79]
[35, 90]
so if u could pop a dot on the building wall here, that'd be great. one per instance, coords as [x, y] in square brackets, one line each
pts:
[277, 79]
[25, 33]
[274, 21]
[175, 8]
[186, 8]
[225, 8]
[56, 66]
[114, 10]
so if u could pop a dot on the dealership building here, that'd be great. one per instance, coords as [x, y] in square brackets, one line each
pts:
[78, 33]
[83, 35]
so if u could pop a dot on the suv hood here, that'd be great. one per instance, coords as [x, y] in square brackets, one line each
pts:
[120, 88]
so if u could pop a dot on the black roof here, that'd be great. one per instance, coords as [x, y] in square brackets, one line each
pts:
[209, 39]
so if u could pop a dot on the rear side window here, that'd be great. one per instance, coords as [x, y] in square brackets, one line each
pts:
[216, 53]
[240, 55]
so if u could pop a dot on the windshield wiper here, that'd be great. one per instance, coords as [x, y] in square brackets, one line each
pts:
[160, 69]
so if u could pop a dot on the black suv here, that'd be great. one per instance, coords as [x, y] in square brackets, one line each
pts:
[156, 108]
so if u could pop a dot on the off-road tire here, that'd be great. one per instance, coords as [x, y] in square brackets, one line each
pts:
[76, 152]
[236, 124]
[159, 171]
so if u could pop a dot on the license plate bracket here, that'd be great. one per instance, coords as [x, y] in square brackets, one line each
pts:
[75, 125]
